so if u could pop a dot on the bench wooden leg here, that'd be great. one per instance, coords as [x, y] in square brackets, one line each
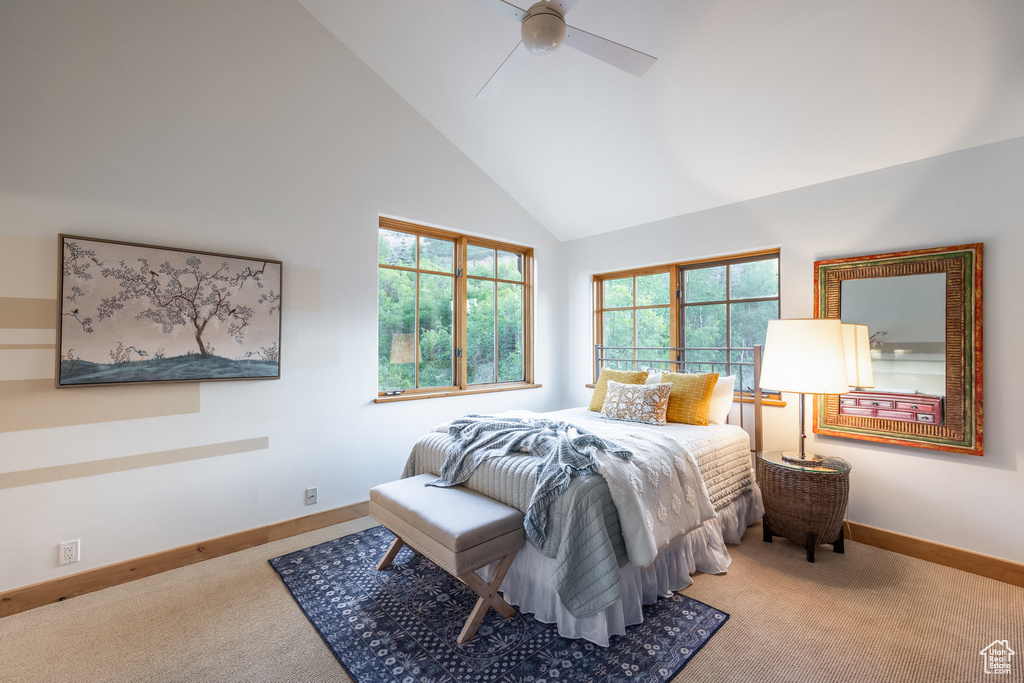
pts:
[488, 592]
[390, 555]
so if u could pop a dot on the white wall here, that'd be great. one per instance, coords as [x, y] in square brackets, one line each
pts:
[240, 127]
[970, 196]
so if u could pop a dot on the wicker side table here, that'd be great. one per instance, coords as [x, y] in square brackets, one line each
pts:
[804, 503]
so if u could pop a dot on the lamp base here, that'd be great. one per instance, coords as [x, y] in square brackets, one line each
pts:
[807, 458]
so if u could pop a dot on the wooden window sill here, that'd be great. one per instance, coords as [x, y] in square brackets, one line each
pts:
[488, 389]
[765, 402]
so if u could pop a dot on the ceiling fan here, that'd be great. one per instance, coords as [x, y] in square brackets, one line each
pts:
[544, 30]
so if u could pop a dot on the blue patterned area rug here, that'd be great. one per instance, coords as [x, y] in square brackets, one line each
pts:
[400, 625]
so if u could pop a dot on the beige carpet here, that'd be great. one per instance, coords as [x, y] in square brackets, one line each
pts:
[869, 615]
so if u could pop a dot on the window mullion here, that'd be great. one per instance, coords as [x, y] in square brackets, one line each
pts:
[728, 318]
[461, 313]
[673, 311]
[681, 307]
[495, 284]
[416, 334]
[634, 322]
[598, 295]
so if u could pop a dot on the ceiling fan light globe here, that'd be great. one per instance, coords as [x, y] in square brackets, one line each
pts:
[543, 31]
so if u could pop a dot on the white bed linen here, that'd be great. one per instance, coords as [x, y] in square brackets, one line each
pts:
[528, 586]
[715, 448]
[660, 494]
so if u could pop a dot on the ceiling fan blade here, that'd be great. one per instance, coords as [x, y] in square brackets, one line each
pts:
[498, 78]
[505, 9]
[625, 58]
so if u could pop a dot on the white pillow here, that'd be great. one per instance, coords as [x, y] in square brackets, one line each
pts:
[653, 377]
[721, 400]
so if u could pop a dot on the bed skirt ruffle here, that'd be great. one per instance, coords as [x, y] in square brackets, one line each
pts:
[528, 583]
[735, 517]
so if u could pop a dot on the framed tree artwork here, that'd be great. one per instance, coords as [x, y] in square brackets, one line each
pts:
[132, 313]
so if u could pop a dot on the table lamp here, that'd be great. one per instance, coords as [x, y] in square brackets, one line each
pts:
[804, 357]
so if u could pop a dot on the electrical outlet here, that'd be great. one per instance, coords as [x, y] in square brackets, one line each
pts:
[70, 551]
[311, 496]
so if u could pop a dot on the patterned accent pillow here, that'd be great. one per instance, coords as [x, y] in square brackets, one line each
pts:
[690, 400]
[637, 402]
[620, 376]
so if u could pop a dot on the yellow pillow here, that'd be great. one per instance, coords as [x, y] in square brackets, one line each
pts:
[690, 399]
[620, 376]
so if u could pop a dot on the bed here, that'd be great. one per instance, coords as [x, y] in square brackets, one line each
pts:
[596, 568]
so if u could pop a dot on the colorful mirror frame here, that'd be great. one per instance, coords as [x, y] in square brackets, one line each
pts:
[961, 428]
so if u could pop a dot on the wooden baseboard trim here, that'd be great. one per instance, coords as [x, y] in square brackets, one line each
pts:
[55, 590]
[946, 555]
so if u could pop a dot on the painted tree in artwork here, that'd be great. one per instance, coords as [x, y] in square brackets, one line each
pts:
[191, 297]
[77, 262]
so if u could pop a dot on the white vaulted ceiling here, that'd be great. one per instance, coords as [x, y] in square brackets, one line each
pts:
[747, 97]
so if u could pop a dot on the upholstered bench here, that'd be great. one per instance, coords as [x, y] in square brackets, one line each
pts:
[460, 530]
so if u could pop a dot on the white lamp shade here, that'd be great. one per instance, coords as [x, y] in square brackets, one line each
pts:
[857, 344]
[805, 356]
[543, 30]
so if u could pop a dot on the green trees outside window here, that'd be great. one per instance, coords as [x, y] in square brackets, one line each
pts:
[723, 308]
[636, 313]
[415, 305]
[420, 299]
[494, 315]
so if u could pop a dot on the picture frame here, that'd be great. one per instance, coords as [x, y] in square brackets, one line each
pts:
[132, 313]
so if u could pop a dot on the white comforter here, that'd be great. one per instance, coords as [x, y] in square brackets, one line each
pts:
[660, 496]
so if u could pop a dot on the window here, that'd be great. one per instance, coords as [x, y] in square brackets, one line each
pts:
[454, 312]
[494, 315]
[637, 311]
[722, 308]
[725, 309]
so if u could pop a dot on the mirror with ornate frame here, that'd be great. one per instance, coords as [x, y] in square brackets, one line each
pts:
[924, 316]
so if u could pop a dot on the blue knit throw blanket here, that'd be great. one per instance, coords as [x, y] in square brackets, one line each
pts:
[566, 452]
